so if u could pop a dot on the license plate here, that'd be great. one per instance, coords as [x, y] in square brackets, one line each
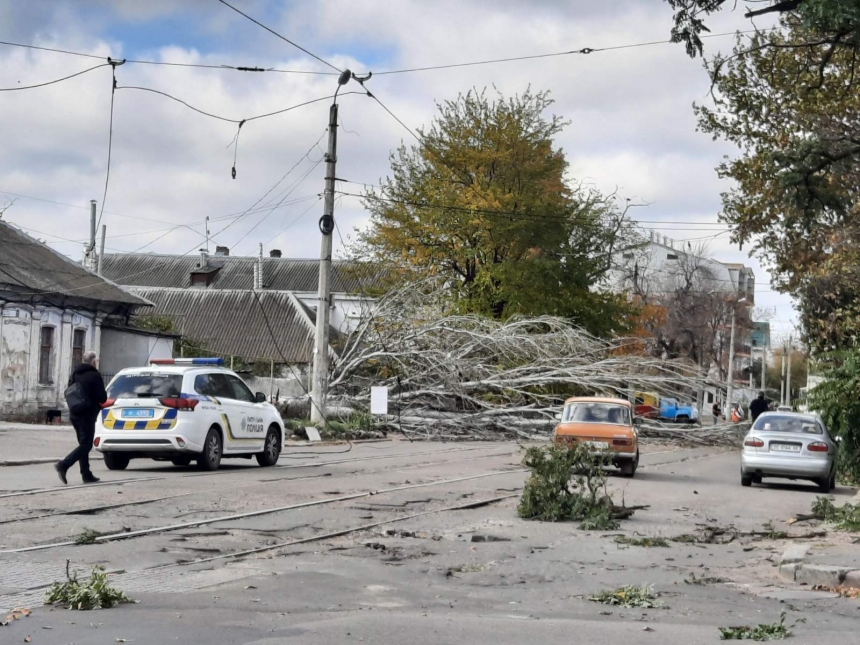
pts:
[597, 445]
[142, 413]
[784, 447]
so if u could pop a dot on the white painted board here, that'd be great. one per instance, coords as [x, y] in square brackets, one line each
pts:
[379, 400]
[313, 433]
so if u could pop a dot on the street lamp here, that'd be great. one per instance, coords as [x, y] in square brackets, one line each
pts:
[729, 391]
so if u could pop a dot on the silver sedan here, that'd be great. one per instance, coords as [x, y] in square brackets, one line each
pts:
[790, 445]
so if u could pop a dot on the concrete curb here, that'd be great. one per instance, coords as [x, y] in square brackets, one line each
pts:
[792, 567]
[39, 460]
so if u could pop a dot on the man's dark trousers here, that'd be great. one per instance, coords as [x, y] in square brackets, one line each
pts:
[85, 429]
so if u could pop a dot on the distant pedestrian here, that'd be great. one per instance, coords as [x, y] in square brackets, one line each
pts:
[736, 414]
[85, 395]
[758, 406]
[715, 411]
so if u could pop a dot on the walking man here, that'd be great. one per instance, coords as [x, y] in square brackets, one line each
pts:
[758, 406]
[93, 389]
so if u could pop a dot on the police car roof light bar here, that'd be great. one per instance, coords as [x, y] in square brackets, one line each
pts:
[187, 361]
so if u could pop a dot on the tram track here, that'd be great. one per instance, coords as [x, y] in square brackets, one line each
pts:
[267, 511]
[259, 482]
[170, 474]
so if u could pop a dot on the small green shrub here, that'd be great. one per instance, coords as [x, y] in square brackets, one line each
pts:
[845, 517]
[630, 596]
[568, 484]
[763, 632]
[94, 593]
[88, 536]
[645, 541]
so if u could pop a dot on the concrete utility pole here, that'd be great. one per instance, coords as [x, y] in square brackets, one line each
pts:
[788, 374]
[782, 379]
[319, 386]
[102, 248]
[91, 248]
[764, 368]
[730, 388]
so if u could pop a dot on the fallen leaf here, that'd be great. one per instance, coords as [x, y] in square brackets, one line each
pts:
[250, 587]
[28, 639]
[647, 629]
[22, 610]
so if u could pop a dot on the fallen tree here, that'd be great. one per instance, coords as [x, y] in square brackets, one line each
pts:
[468, 376]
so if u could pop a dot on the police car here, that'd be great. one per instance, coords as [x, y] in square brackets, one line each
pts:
[186, 410]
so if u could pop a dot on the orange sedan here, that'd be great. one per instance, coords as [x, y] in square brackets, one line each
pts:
[604, 424]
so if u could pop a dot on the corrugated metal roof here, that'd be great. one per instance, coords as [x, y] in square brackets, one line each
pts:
[32, 268]
[235, 272]
[233, 323]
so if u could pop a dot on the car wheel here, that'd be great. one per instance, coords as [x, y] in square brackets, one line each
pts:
[833, 481]
[181, 461]
[746, 480]
[271, 448]
[116, 461]
[628, 468]
[210, 459]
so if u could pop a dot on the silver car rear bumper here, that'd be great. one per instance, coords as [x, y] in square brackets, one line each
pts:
[777, 466]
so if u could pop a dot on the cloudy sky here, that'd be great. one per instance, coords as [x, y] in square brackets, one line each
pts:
[632, 126]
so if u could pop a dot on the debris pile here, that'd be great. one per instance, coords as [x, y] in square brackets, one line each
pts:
[455, 376]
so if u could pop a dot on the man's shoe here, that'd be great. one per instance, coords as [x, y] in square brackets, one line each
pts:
[61, 472]
[91, 479]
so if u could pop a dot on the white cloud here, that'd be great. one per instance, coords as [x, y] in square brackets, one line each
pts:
[631, 127]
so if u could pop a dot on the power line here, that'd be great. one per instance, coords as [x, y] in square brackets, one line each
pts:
[300, 215]
[516, 214]
[113, 65]
[284, 38]
[223, 118]
[265, 217]
[247, 68]
[59, 80]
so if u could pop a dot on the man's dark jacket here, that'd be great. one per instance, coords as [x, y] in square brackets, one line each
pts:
[757, 407]
[94, 388]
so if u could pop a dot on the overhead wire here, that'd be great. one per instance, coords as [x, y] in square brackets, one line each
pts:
[284, 38]
[113, 65]
[246, 68]
[58, 80]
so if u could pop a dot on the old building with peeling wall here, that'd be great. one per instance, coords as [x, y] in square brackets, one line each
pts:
[52, 311]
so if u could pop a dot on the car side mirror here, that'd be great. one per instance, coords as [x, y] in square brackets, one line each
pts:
[259, 397]
[558, 416]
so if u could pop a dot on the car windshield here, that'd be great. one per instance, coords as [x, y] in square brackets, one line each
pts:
[133, 386]
[788, 423]
[585, 412]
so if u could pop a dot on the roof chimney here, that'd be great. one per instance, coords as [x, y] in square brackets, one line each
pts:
[259, 272]
[275, 253]
[222, 250]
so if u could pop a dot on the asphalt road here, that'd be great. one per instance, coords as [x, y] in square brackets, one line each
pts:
[477, 575]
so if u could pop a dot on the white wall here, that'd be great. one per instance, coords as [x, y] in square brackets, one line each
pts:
[20, 348]
[346, 310]
[121, 349]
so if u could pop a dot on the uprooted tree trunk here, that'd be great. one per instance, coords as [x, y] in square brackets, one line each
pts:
[456, 376]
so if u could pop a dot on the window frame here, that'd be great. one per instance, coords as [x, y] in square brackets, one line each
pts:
[78, 352]
[46, 361]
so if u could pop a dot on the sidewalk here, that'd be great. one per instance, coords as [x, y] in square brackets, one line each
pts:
[834, 565]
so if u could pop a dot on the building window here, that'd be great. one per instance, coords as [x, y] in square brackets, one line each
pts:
[46, 357]
[710, 397]
[628, 256]
[671, 256]
[78, 341]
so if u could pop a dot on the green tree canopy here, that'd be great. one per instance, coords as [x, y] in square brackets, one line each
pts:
[484, 204]
[794, 111]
